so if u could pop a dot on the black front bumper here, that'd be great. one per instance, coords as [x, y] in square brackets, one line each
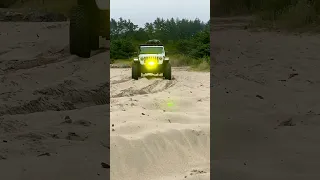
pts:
[156, 69]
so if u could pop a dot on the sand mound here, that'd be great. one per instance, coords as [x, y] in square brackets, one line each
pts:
[160, 129]
[54, 111]
[265, 105]
[53, 106]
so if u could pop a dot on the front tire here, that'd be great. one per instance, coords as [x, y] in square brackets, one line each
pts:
[139, 74]
[167, 71]
[94, 42]
[79, 32]
[136, 71]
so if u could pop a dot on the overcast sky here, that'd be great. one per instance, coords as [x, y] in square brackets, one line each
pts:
[142, 11]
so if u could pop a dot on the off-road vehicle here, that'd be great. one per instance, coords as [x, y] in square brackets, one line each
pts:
[151, 59]
[89, 20]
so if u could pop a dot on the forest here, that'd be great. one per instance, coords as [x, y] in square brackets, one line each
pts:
[187, 42]
[280, 14]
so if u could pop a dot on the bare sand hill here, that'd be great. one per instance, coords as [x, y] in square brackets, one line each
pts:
[54, 114]
[160, 128]
[53, 106]
[265, 104]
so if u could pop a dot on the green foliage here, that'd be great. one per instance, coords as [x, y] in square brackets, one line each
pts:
[121, 49]
[189, 38]
[197, 46]
[290, 14]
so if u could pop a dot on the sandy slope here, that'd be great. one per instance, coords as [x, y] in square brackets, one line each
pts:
[265, 105]
[53, 106]
[160, 128]
[42, 87]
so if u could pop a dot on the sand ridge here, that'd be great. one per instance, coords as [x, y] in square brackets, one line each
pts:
[160, 129]
[264, 105]
[54, 114]
[53, 106]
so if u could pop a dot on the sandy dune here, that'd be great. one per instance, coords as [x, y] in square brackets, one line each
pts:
[54, 114]
[160, 128]
[265, 105]
[53, 106]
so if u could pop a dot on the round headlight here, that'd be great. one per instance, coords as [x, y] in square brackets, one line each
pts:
[160, 58]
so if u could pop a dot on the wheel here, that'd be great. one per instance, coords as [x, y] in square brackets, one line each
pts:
[72, 37]
[94, 42]
[94, 27]
[79, 32]
[136, 71]
[167, 71]
[139, 70]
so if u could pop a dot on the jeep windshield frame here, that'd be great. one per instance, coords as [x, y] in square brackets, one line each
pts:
[151, 50]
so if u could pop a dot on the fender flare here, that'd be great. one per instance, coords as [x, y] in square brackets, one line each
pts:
[103, 4]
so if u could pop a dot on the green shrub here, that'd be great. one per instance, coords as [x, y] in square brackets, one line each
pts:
[290, 14]
[121, 49]
[187, 42]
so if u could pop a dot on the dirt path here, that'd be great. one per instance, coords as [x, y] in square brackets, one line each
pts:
[163, 125]
[265, 108]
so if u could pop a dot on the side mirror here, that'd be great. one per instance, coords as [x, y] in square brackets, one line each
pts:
[166, 58]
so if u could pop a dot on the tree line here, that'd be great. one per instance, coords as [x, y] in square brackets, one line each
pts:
[290, 14]
[179, 36]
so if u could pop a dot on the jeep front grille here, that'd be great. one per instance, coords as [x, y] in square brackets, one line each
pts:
[151, 58]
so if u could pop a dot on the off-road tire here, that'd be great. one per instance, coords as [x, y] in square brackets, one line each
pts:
[167, 71]
[79, 32]
[94, 42]
[136, 73]
[94, 25]
[139, 74]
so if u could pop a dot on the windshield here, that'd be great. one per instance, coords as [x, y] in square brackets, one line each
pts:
[151, 50]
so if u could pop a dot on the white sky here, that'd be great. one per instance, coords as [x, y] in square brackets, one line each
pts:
[142, 11]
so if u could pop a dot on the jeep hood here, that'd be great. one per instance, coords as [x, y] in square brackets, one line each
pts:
[152, 55]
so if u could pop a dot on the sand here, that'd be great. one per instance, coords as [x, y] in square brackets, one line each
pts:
[53, 106]
[54, 111]
[160, 128]
[265, 104]
[264, 110]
